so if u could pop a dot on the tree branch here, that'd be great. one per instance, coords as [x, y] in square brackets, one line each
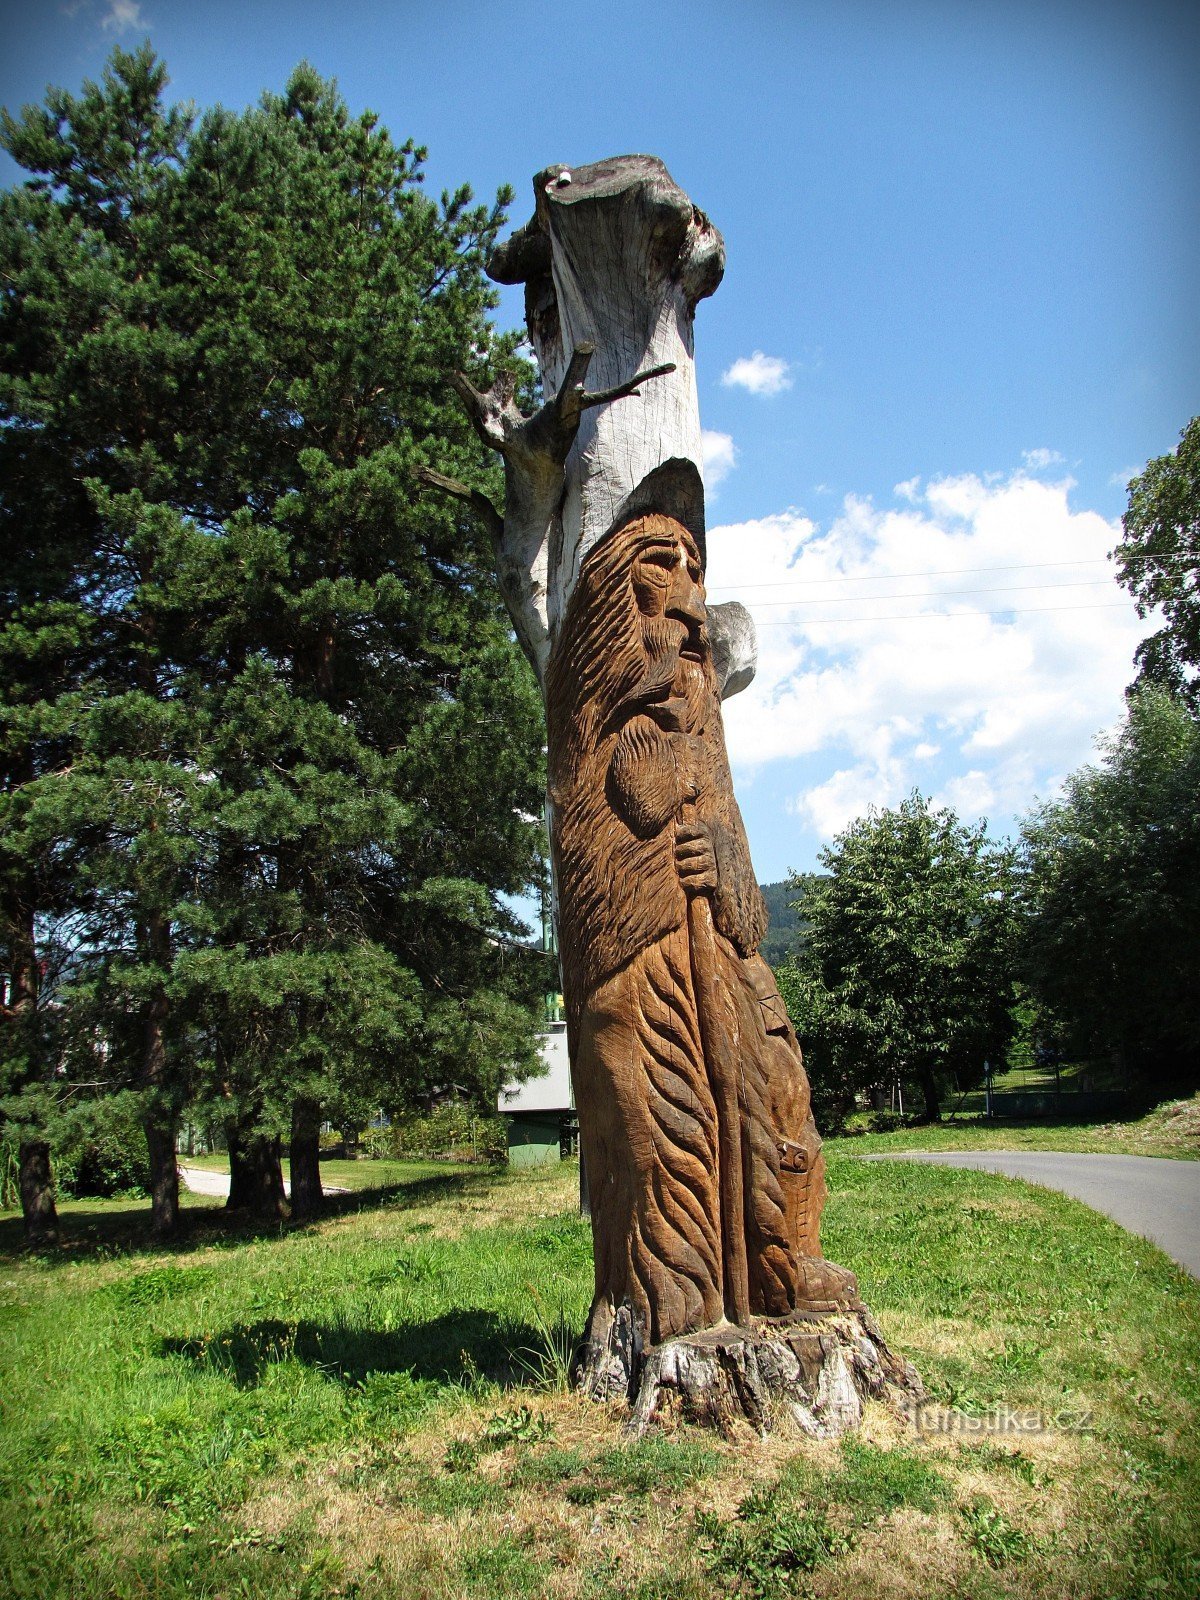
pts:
[460, 491]
[485, 410]
[602, 396]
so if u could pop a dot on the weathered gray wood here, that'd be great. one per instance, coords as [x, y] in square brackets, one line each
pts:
[812, 1375]
[614, 261]
[705, 1173]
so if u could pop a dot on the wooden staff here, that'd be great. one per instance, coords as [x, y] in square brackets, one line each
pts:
[721, 1060]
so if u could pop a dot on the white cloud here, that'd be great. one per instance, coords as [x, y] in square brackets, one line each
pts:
[971, 640]
[766, 375]
[720, 456]
[970, 793]
[908, 490]
[1120, 480]
[1040, 459]
[123, 15]
[831, 805]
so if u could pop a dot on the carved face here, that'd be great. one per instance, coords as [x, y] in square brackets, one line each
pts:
[668, 586]
[635, 640]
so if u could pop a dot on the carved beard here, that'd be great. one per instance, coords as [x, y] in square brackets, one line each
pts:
[614, 670]
[673, 689]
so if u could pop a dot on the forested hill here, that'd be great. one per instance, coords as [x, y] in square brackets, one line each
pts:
[786, 922]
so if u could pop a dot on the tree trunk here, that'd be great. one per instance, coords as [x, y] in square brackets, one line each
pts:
[694, 1110]
[240, 1182]
[37, 1194]
[808, 1377]
[36, 1178]
[255, 1174]
[305, 1157]
[164, 1177]
[161, 1120]
[933, 1104]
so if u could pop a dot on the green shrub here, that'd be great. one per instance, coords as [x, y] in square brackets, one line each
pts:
[452, 1131]
[886, 1121]
[103, 1152]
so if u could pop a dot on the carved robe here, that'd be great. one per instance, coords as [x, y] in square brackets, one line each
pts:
[637, 752]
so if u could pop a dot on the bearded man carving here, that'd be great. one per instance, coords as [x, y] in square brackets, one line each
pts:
[704, 1168]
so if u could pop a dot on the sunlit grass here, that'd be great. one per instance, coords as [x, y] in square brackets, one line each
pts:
[1172, 1130]
[347, 1409]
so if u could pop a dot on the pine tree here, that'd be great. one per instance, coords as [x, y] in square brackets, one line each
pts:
[87, 376]
[306, 753]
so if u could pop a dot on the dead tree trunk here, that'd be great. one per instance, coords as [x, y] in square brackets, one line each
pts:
[705, 1172]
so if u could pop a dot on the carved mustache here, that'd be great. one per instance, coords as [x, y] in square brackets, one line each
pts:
[664, 639]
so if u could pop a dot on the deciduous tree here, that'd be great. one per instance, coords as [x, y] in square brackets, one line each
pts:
[1158, 561]
[1111, 892]
[906, 967]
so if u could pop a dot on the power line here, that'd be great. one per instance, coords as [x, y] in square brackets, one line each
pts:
[1184, 556]
[945, 616]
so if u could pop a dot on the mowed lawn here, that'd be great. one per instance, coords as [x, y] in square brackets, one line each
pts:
[1171, 1130]
[373, 1406]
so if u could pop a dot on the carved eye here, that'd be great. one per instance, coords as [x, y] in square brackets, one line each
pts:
[664, 558]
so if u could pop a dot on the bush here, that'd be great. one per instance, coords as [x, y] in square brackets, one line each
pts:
[886, 1121]
[449, 1132]
[103, 1153]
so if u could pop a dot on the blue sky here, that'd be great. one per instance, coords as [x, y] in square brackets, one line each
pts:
[959, 310]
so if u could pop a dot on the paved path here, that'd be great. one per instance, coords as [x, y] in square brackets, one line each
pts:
[201, 1181]
[1150, 1195]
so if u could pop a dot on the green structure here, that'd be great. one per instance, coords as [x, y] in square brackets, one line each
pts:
[539, 1110]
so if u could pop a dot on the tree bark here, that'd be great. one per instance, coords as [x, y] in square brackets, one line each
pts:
[35, 1174]
[809, 1377]
[933, 1103]
[161, 1120]
[255, 1174]
[305, 1159]
[37, 1194]
[702, 1158]
[164, 1176]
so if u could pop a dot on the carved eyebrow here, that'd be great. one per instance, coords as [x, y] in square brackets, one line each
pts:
[660, 555]
[655, 549]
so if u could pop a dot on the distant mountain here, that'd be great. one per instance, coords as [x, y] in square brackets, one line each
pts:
[787, 924]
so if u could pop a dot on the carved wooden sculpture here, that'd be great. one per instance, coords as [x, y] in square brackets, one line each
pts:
[704, 1165]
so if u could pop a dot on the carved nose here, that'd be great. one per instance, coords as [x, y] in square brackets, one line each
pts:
[686, 599]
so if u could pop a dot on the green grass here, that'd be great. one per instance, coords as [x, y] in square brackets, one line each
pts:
[345, 1409]
[1169, 1130]
[367, 1173]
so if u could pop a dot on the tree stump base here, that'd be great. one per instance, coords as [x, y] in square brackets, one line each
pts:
[809, 1373]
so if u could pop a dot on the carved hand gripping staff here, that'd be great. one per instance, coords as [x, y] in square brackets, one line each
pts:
[704, 1165]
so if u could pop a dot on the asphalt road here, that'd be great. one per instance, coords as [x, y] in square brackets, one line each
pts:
[1150, 1195]
[201, 1181]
